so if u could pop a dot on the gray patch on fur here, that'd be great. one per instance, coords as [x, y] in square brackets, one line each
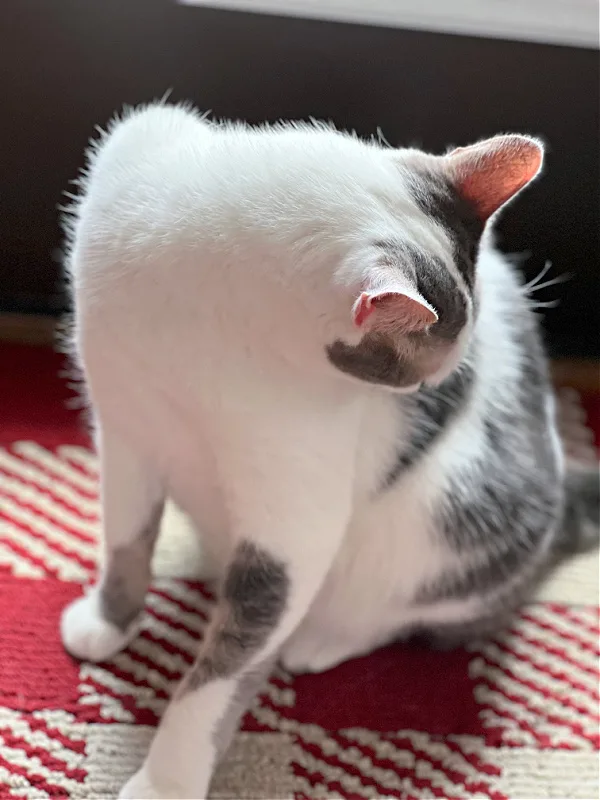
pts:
[439, 288]
[475, 579]
[253, 598]
[374, 360]
[501, 506]
[507, 508]
[127, 576]
[517, 492]
[432, 279]
[430, 411]
[451, 635]
[438, 199]
[577, 531]
[507, 514]
[580, 529]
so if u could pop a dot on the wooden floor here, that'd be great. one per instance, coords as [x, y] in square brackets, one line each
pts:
[581, 375]
[41, 330]
[28, 329]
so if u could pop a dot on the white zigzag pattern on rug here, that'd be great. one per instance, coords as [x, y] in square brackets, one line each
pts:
[537, 682]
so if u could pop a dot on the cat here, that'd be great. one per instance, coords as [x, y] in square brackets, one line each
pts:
[309, 342]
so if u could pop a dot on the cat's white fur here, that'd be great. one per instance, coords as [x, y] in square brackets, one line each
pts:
[206, 292]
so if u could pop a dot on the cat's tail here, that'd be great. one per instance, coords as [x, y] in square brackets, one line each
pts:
[580, 528]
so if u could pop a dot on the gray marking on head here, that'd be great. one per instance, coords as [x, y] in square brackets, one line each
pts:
[433, 281]
[125, 581]
[438, 287]
[253, 598]
[438, 199]
[374, 360]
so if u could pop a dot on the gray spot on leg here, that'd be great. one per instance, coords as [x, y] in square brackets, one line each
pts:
[253, 598]
[127, 575]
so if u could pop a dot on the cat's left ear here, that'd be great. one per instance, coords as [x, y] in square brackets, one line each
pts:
[490, 173]
[391, 307]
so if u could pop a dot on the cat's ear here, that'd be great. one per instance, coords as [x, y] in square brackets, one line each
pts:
[490, 173]
[393, 309]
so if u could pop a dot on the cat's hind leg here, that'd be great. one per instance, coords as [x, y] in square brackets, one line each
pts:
[102, 622]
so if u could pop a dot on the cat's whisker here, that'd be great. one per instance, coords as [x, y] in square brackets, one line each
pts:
[544, 304]
[552, 282]
[381, 138]
[534, 281]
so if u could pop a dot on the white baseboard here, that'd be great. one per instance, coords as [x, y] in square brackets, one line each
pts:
[563, 22]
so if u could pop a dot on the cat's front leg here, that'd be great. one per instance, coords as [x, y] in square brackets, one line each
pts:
[285, 546]
[102, 622]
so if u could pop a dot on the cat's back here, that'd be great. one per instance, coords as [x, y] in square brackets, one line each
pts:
[149, 243]
[164, 176]
[191, 237]
[134, 185]
[144, 333]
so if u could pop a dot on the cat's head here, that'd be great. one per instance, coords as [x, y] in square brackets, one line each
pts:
[414, 289]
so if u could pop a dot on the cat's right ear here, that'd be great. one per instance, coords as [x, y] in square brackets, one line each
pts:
[490, 173]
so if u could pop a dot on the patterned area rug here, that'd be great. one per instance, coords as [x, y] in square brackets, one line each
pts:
[516, 717]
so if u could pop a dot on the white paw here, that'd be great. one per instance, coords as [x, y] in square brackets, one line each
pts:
[86, 635]
[298, 658]
[141, 787]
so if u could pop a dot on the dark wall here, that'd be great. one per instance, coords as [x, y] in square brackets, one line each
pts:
[66, 65]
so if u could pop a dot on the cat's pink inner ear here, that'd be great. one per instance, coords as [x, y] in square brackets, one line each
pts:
[490, 173]
[407, 313]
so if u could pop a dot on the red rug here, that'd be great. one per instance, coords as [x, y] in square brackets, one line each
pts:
[516, 717]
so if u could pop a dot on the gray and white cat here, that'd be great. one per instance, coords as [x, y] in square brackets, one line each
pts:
[310, 344]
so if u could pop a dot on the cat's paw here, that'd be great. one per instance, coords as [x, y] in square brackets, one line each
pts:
[87, 635]
[141, 786]
[298, 658]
